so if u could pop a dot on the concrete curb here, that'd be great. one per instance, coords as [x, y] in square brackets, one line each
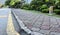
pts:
[22, 25]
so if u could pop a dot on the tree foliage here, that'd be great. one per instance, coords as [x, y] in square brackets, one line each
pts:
[39, 5]
[13, 3]
[43, 5]
[7, 2]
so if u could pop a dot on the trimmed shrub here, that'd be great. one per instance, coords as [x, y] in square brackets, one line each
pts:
[33, 7]
[45, 10]
[44, 6]
[58, 7]
[57, 11]
[25, 6]
[38, 8]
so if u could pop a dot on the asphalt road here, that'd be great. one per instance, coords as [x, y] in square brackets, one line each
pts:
[4, 13]
[3, 21]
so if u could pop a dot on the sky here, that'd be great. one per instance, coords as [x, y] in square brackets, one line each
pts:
[28, 1]
[2, 1]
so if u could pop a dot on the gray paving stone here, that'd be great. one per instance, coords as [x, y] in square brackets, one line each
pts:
[46, 23]
[54, 25]
[40, 19]
[58, 21]
[27, 22]
[37, 24]
[53, 21]
[45, 26]
[54, 29]
[45, 32]
[35, 29]
[29, 25]
[46, 19]
[54, 33]
[36, 33]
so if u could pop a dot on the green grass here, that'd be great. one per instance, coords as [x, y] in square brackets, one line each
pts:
[38, 12]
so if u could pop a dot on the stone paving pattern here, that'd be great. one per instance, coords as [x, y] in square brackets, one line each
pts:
[41, 23]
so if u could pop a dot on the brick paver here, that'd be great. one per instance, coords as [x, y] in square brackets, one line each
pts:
[46, 25]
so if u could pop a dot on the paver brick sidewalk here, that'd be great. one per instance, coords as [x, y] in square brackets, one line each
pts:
[46, 25]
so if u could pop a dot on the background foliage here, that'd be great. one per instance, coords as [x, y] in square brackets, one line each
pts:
[39, 5]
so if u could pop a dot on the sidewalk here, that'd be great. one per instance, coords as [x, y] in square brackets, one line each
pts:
[46, 25]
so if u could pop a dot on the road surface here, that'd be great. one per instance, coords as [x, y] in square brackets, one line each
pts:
[8, 23]
[5, 22]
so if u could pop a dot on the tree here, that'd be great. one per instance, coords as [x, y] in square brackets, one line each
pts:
[13, 3]
[7, 2]
[16, 5]
[0, 5]
[36, 4]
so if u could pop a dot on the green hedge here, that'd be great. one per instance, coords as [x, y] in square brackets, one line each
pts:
[44, 6]
[45, 10]
[25, 6]
[57, 11]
